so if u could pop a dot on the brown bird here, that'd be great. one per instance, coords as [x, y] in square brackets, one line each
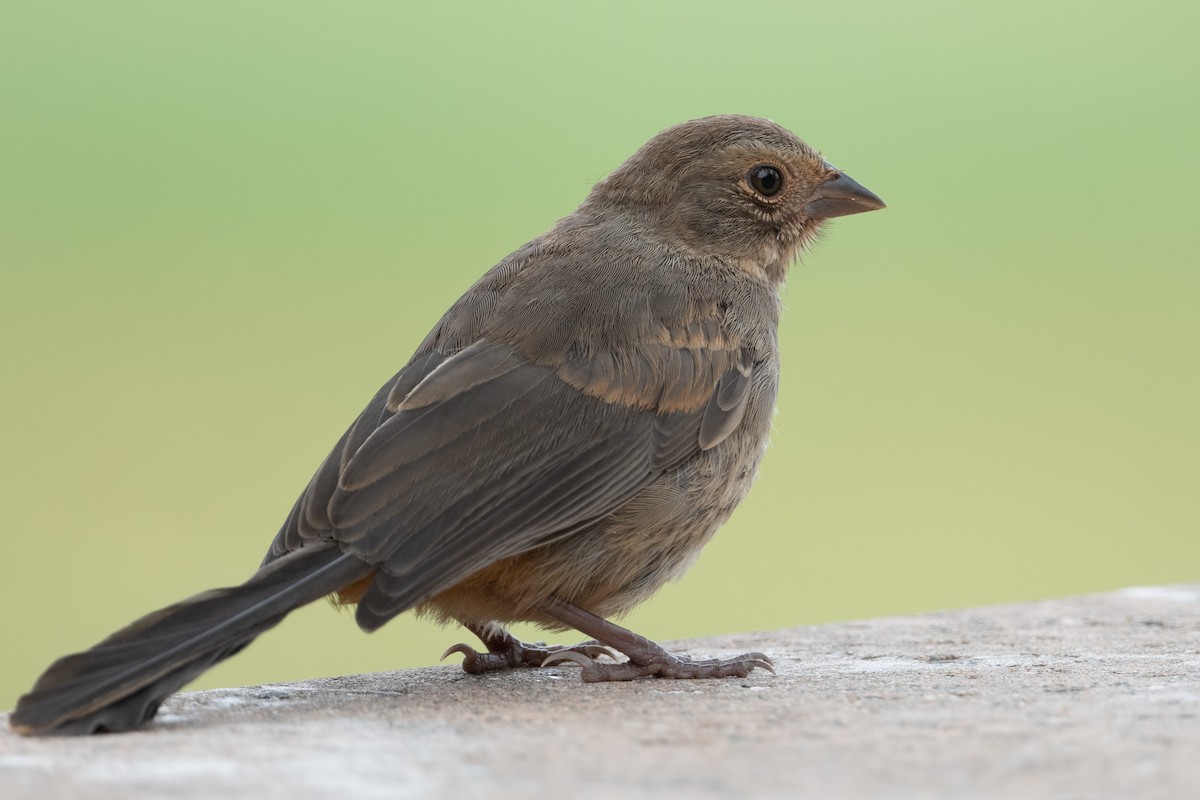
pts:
[565, 440]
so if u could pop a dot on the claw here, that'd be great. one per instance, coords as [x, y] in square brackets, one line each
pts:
[568, 655]
[604, 650]
[759, 661]
[465, 649]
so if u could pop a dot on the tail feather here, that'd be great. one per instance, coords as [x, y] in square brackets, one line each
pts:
[119, 683]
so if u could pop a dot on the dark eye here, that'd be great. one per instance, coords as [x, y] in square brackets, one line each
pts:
[765, 180]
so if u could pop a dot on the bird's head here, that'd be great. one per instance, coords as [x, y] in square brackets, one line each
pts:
[742, 189]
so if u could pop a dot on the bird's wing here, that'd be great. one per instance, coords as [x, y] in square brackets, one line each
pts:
[467, 459]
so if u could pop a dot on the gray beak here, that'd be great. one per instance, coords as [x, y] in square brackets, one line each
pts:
[841, 195]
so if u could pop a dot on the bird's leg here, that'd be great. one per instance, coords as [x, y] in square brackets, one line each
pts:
[505, 651]
[646, 659]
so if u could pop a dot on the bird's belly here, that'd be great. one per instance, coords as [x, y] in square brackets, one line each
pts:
[618, 561]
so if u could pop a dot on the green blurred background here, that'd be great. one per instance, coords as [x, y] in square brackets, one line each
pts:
[223, 225]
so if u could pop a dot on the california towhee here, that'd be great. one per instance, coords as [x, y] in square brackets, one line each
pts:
[563, 442]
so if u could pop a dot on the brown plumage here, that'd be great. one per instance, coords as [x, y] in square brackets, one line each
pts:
[563, 442]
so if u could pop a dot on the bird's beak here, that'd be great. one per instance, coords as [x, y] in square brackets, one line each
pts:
[841, 195]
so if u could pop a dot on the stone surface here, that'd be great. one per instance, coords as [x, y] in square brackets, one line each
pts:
[1090, 697]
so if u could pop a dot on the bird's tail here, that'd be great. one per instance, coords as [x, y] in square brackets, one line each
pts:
[119, 683]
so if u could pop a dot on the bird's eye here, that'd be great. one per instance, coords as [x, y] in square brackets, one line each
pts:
[765, 179]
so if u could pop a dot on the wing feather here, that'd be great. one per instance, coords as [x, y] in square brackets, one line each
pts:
[477, 454]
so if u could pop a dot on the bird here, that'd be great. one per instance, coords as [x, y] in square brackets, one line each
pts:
[564, 441]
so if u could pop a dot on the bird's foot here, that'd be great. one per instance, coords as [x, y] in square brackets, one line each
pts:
[663, 664]
[646, 659]
[505, 651]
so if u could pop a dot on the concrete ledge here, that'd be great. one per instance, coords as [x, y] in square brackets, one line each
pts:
[1089, 697]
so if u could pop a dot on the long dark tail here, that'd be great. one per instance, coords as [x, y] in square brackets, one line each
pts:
[118, 684]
